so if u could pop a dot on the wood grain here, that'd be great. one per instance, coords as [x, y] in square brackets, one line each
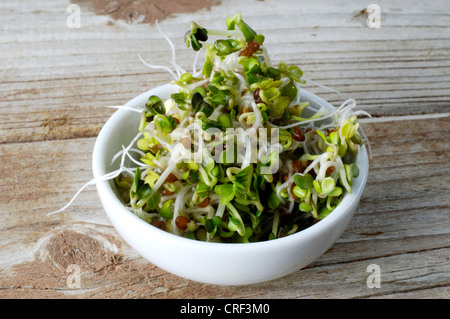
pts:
[56, 84]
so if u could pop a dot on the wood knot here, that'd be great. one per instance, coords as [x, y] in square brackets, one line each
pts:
[88, 253]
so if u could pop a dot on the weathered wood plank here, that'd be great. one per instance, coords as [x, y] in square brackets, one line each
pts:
[401, 68]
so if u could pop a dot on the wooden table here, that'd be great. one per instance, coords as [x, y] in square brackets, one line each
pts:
[56, 84]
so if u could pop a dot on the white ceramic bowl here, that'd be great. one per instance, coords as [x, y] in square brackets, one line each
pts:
[215, 263]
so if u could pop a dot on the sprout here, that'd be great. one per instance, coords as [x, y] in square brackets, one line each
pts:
[285, 138]
[299, 192]
[226, 47]
[291, 71]
[151, 178]
[166, 124]
[225, 120]
[305, 207]
[273, 201]
[199, 105]
[235, 220]
[141, 194]
[202, 190]
[196, 35]
[237, 22]
[232, 201]
[155, 105]
[275, 224]
[325, 187]
[166, 210]
[245, 238]
[289, 89]
[304, 181]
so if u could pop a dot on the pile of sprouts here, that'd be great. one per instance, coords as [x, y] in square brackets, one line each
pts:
[190, 178]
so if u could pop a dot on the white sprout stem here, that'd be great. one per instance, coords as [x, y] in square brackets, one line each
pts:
[248, 98]
[285, 185]
[163, 176]
[197, 84]
[324, 87]
[315, 162]
[194, 64]
[342, 175]
[132, 159]
[93, 181]
[178, 69]
[208, 210]
[276, 218]
[125, 107]
[128, 147]
[225, 33]
[323, 169]
[369, 149]
[165, 68]
[266, 56]
[220, 209]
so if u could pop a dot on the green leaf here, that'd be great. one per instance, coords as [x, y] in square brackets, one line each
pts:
[245, 238]
[155, 105]
[327, 185]
[197, 102]
[225, 120]
[226, 192]
[305, 207]
[324, 212]
[304, 181]
[209, 225]
[251, 64]
[166, 210]
[291, 71]
[299, 192]
[201, 90]
[225, 47]
[165, 123]
[235, 220]
[196, 35]
[278, 105]
[217, 221]
[334, 138]
[289, 89]
[285, 138]
[189, 234]
[244, 177]
[202, 190]
[351, 171]
[219, 98]
[354, 170]
[136, 181]
[273, 201]
[248, 32]
[337, 191]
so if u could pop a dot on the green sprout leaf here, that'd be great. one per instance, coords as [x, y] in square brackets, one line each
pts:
[166, 210]
[304, 181]
[165, 123]
[196, 35]
[273, 201]
[155, 105]
[226, 47]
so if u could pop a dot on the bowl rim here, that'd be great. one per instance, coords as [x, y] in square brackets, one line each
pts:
[105, 189]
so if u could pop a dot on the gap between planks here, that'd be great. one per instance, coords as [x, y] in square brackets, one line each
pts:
[414, 117]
